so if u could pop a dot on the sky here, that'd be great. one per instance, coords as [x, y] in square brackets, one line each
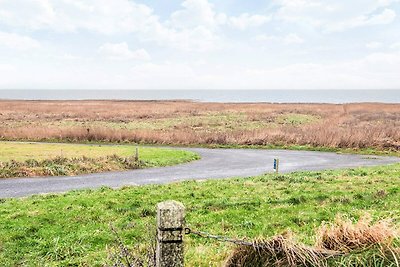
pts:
[199, 44]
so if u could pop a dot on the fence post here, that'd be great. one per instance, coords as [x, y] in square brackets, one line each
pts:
[136, 154]
[170, 222]
[276, 165]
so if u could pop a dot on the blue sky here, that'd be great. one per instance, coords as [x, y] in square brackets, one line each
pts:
[196, 44]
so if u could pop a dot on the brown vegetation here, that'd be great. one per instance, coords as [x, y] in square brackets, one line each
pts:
[67, 166]
[183, 122]
[279, 251]
[342, 243]
[345, 236]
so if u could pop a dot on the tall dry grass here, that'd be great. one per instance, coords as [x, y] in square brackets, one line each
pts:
[344, 235]
[340, 243]
[372, 125]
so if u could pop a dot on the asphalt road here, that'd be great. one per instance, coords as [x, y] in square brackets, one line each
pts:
[214, 164]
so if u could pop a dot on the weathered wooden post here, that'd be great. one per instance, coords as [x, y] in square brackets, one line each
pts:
[170, 223]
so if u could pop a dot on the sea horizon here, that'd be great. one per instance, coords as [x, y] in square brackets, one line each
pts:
[337, 96]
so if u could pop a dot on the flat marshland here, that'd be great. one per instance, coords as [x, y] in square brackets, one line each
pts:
[354, 126]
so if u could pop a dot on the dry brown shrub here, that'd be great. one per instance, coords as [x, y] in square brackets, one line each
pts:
[279, 251]
[344, 235]
[335, 242]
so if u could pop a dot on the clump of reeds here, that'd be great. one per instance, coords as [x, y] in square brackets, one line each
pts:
[341, 243]
[278, 251]
[344, 235]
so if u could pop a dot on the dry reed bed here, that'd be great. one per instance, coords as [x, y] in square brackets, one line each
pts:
[365, 125]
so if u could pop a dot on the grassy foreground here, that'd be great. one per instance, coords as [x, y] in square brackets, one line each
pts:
[73, 229]
[36, 159]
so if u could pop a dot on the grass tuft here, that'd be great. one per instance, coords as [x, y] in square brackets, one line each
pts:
[278, 251]
[341, 243]
[344, 235]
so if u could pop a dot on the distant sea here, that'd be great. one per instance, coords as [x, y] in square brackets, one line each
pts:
[275, 96]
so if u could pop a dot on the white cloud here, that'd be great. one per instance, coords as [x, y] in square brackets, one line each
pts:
[194, 13]
[194, 27]
[190, 30]
[377, 70]
[291, 38]
[7, 67]
[246, 20]
[374, 45]
[336, 15]
[28, 14]
[67, 56]
[16, 41]
[201, 13]
[192, 39]
[101, 16]
[395, 46]
[387, 16]
[121, 51]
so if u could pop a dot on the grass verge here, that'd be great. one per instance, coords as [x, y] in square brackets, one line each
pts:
[362, 151]
[73, 229]
[38, 159]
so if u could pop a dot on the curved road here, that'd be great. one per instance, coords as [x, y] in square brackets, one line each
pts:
[214, 163]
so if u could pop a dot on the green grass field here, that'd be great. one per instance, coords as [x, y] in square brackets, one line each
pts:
[73, 229]
[24, 151]
[31, 159]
